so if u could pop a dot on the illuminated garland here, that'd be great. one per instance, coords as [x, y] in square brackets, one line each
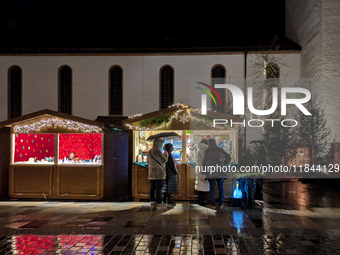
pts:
[170, 106]
[167, 125]
[57, 123]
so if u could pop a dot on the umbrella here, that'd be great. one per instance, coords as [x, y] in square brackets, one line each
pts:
[162, 135]
[256, 141]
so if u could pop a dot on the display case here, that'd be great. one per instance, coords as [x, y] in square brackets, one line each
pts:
[191, 127]
[41, 165]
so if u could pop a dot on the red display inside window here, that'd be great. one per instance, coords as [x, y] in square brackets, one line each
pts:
[84, 146]
[33, 145]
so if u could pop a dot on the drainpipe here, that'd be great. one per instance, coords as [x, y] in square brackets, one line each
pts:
[245, 93]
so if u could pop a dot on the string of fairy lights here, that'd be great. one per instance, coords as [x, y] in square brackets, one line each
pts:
[54, 123]
[185, 109]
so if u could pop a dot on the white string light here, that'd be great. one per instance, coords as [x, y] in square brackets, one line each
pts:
[56, 123]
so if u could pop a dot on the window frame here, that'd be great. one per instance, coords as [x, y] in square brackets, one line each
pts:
[109, 90]
[9, 93]
[59, 92]
[160, 85]
[212, 78]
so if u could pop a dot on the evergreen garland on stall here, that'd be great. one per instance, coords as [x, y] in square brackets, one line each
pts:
[158, 120]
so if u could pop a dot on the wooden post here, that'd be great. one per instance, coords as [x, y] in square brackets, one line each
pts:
[56, 149]
[184, 146]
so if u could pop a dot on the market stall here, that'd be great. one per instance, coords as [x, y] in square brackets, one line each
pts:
[55, 155]
[191, 127]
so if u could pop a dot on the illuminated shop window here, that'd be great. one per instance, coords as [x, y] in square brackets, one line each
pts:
[34, 148]
[87, 148]
[193, 138]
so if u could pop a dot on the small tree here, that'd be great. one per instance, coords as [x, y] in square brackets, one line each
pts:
[314, 133]
[280, 143]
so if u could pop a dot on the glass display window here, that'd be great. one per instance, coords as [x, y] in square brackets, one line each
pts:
[142, 146]
[33, 148]
[223, 140]
[80, 148]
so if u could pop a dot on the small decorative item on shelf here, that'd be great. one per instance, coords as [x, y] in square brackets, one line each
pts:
[237, 192]
[237, 198]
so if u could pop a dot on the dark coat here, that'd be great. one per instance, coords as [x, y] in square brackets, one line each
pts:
[170, 185]
[216, 156]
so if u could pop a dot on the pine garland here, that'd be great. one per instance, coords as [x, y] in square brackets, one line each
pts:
[158, 120]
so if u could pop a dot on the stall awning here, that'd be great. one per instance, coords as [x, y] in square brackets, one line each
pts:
[178, 117]
[48, 121]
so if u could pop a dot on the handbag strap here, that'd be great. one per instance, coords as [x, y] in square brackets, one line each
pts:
[155, 159]
[201, 156]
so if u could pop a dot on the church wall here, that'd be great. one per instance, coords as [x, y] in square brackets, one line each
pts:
[90, 80]
[315, 25]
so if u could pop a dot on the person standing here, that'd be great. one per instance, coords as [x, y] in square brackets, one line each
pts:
[170, 185]
[215, 156]
[156, 174]
[219, 142]
[201, 183]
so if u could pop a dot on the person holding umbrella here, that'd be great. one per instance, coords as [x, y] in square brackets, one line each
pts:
[157, 174]
[156, 162]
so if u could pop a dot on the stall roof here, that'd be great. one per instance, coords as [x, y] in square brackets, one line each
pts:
[175, 108]
[47, 113]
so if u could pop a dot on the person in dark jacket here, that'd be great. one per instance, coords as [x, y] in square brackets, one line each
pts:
[215, 156]
[170, 185]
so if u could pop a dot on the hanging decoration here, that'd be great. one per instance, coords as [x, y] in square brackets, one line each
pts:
[183, 118]
[55, 123]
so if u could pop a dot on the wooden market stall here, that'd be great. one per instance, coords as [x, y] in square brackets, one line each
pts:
[40, 167]
[192, 127]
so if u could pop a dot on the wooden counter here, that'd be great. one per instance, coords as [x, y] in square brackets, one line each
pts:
[79, 182]
[56, 181]
[186, 184]
[31, 181]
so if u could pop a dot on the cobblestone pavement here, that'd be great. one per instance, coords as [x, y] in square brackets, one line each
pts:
[296, 218]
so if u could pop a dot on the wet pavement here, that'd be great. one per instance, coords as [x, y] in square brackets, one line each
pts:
[296, 218]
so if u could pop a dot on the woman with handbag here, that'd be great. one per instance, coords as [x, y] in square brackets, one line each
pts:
[201, 183]
[157, 174]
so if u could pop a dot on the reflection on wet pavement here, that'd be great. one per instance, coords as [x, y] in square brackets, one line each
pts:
[169, 244]
[296, 218]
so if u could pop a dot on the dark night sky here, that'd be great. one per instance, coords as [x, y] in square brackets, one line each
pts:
[108, 24]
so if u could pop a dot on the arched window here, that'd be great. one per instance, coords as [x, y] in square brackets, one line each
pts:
[218, 74]
[166, 87]
[14, 92]
[65, 90]
[272, 70]
[116, 91]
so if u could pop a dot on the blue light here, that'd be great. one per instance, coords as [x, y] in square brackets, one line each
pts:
[237, 192]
